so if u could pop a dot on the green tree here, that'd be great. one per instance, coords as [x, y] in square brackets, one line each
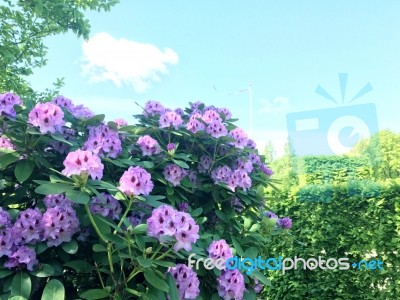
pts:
[269, 152]
[383, 151]
[23, 27]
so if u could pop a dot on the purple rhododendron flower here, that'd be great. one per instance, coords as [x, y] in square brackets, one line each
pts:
[266, 170]
[244, 165]
[152, 108]
[27, 228]
[270, 215]
[227, 113]
[205, 163]
[179, 111]
[22, 256]
[171, 147]
[60, 224]
[5, 143]
[285, 223]
[170, 118]
[239, 178]
[237, 204]
[6, 240]
[7, 102]
[257, 287]
[211, 116]
[254, 158]
[107, 206]
[194, 125]
[82, 112]
[5, 218]
[216, 129]
[221, 174]
[186, 281]
[103, 141]
[136, 181]
[47, 116]
[167, 221]
[174, 174]
[120, 122]
[148, 145]
[57, 200]
[184, 206]
[231, 285]
[63, 102]
[83, 162]
[240, 138]
[219, 249]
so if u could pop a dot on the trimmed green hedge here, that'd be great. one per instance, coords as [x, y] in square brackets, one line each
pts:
[360, 218]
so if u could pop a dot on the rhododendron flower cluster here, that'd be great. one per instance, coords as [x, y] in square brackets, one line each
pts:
[48, 117]
[240, 138]
[103, 141]
[148, 145]
[231, 285]
[136, 181]
[7, 103]
[5, 143]
[82, 162]
[167, 221]
[79, 111]
[107, 206]
[219, 249]
[170, 118]
[186, 281]
[56, 225]
[152, 108]
[174, 174]
[285, 223]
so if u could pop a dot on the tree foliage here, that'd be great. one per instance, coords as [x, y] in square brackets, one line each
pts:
[23, 26]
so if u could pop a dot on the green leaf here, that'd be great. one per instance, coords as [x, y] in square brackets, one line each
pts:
[95, 120]
[5, 273]
[45, 270]
[60, 138]
[247, 223]
[16, 298]
[8, 158]
[155, 280]
[23, 170]
[53, 188]
[145, 262]
[94, 294]
[81, 266]
[141, 228]
[170, 190]
[251, 252]
[70, 247]
[78, 196]
[173, 291]
[237, 246]
[99, 248]
[180, 163]
[54, 290]
[21, 285]
[197, 212]
[261, 277]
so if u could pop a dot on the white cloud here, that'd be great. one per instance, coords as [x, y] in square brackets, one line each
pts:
[125, 62]
[275, 105]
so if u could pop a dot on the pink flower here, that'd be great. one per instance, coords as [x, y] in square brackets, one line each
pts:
[219, 249]
[85, 162]
[120, 122]
[148, 145]
[174, 174]
[136, 181]
[170, 118]
[47, 116]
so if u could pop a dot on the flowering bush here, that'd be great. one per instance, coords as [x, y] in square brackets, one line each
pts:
[100, 210]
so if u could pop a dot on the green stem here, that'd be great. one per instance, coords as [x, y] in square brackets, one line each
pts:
[164, 254]
[125, 214]
[156, 252]
[98, 273]
[94, 224]
[133, 274]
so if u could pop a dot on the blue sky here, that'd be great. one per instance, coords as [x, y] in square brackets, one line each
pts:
[181, 51]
